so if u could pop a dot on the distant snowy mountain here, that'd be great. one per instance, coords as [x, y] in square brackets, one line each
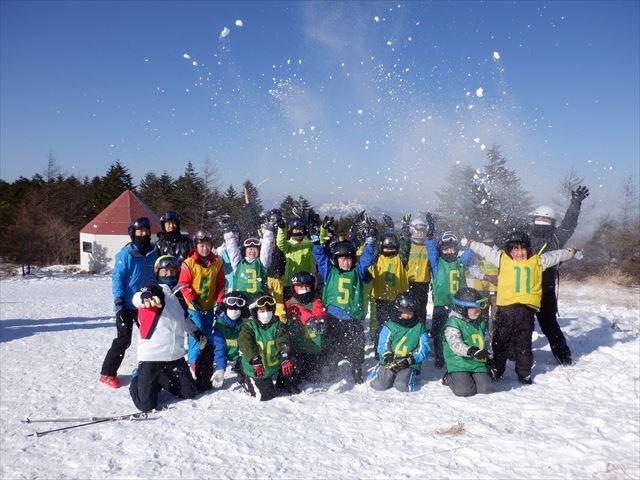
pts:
[345, 209]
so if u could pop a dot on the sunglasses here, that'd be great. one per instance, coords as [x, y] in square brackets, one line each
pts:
[235, 302]
[251, 242]
[263, 302]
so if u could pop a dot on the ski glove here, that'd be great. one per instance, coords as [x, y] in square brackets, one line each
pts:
[388, 221]
[217, 379]
[258, 367]
[286, 368]
[152, 296]
[580, 193]
[478, 354]
[431, 224]
[200, 338]
[402, 363]
[387, 358]
[328, 223]
[224, 221]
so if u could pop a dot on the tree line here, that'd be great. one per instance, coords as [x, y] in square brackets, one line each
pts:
[40, 217]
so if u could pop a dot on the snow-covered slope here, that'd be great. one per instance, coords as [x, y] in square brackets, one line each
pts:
[575, 422]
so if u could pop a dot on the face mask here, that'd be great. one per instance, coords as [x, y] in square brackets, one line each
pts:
[303, 290]
[171, 280]
[449, 257]
[265, 317]
[142, 242]
[233, 313]
[474, 317]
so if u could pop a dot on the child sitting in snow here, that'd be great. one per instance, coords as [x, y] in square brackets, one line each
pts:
[161, 339]
[463, 346]
[402, 347]
[305, 323]
[519, 297]
[264, 350]
[226, 328]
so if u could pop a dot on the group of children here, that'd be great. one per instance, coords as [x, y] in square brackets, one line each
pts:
[275, 331]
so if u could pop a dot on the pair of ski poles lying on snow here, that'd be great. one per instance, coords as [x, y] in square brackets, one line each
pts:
[84, 421]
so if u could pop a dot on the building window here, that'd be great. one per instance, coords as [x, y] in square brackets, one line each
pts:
[87, 247]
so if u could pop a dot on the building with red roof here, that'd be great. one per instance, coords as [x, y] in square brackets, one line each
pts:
[107, 233]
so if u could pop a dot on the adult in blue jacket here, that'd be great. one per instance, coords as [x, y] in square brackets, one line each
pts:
[133, 269]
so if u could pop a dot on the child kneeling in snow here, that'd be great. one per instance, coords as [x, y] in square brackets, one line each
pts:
[463, 346]
[264, 351]
[161, 338]
[403, 345]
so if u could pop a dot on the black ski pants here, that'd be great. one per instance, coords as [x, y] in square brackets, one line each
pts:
[124, 328]
[548, 321]
[513, 327]
[152, 377]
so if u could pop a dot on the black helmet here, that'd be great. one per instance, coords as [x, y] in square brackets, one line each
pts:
[390, 242]
[297, 223]
[234, 298]
[138, 223]
[448, 239]
[405, 303]
[343, 248]
[466, 298]
[517, 237]
[303, 278]
[202, 235]
[170, 215]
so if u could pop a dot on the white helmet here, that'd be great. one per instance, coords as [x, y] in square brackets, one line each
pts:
[545, 211]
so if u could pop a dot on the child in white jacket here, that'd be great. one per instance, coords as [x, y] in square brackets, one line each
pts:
[161, 339]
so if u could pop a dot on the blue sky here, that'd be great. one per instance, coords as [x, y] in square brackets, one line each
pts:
[356, 101]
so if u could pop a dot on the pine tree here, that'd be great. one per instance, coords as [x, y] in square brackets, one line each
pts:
[108, 188]
[190, 200]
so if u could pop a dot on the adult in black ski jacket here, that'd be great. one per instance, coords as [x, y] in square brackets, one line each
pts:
[171, 241]
[544, 234]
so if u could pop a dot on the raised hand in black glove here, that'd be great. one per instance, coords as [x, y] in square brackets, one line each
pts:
[580, 193]
[402, 363]
[388, 221]
[224, 221]
[431, 224]
[329, 224]
[480, 355]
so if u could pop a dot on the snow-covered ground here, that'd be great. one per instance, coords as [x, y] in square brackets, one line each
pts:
[575, 422]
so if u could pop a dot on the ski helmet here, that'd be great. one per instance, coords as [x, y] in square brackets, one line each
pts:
[467, 298]
[545, 211]
[343, 248]
[391, 243]
[404, 302]
[517, 237]
[201, 236]
[448, 240]
[137, 224]
[298, 224]
[170, 216]
[167, 262]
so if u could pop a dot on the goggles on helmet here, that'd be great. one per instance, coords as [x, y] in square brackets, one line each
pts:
[302, 278]
[167, 261]
[235, 302]
[263, 302]
[251, 242]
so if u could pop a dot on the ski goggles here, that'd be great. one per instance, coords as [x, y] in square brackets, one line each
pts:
[303, 278]
[251, 242]
[263, 302]
[235, 302]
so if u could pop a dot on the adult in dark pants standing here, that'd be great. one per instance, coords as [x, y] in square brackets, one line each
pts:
[546, 236]
[133, 269]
